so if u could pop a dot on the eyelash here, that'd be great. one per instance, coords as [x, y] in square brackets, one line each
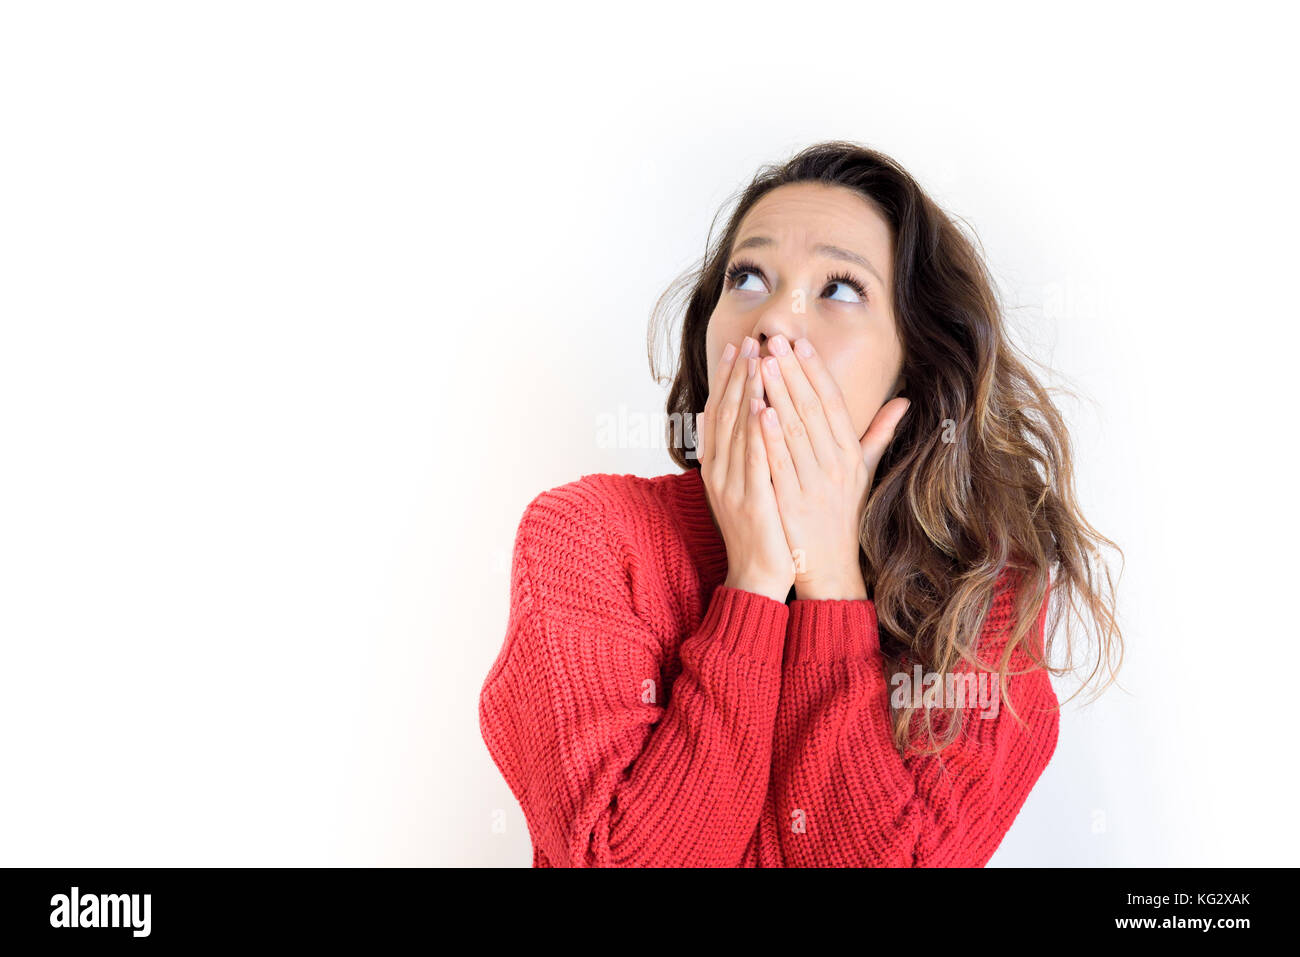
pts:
[743, 266]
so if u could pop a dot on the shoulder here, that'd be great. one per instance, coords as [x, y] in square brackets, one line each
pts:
[595, 516]
[1020, 593]
[609, 501]
[589, 565]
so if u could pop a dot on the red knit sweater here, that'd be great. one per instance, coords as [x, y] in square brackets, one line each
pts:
[643, 714]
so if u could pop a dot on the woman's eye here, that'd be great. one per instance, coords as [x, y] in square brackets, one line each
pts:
[857, 292]
[845, 287]
[747, 277]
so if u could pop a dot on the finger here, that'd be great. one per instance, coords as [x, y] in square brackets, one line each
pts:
[739, 441]
[796, 435]
[807, 404]
[723, 421]
[758, 479]
[785, 483]
[733, 398]
[881, 431]
[722, 370]
[828, 390]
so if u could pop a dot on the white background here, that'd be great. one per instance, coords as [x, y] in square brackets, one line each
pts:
[300, 305]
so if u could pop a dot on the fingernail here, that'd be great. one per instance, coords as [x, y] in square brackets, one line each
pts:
[747, 347]
[755, 406]
[728, 352]
[772, 366]
[803, 347]
[753, 366]
[780, 346]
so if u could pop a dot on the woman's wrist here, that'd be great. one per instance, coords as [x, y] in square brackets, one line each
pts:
[847, 589]
[766, 589]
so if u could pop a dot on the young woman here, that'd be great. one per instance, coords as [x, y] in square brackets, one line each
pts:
[822, 644]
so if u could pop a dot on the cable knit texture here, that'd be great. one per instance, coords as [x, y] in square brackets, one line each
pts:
[645, 715]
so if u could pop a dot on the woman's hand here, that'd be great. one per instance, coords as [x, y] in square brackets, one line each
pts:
[821, 471]
[736, 477]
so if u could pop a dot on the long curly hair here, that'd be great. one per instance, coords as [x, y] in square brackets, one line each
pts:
[974, 499]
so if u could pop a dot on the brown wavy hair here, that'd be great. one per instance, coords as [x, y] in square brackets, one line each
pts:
[974, 499]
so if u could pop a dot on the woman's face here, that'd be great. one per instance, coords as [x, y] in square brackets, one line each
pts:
[788, 248]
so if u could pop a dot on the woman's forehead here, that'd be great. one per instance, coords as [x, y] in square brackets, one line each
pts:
[811, 214]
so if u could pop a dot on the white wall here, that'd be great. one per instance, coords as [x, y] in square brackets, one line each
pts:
[300, 305]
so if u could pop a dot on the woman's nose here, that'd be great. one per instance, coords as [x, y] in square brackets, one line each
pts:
[764, 339]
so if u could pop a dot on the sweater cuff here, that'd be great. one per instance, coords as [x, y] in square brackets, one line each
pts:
[745, 623]
[831, 630]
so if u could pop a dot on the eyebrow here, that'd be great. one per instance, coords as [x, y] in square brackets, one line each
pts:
[825, 249]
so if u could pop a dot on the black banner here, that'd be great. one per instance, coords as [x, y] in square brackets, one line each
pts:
[135, 907]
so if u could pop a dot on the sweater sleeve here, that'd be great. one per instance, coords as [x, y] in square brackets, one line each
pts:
[609, 770]
[850, 799]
